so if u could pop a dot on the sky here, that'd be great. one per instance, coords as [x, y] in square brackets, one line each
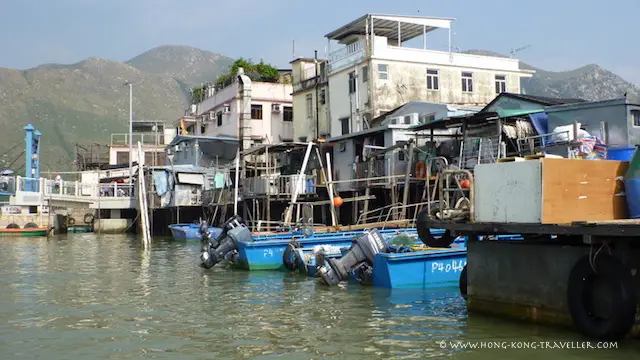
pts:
[559, 34]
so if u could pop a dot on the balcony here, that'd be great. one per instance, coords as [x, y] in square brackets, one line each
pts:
[382, 170]
[309, 77]
[347, 56]
[279, 185]
[147, 139]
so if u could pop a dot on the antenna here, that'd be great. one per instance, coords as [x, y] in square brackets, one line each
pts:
[294, 49]
[514, 51]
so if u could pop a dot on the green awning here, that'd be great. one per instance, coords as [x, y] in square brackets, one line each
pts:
[505, 113]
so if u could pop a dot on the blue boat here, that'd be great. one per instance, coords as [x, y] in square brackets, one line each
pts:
[267, 253]
[419, 269]
[191, 231]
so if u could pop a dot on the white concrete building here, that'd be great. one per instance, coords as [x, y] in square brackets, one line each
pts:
[219, 113]
[154, 138]
[310, 99]
[373, 71]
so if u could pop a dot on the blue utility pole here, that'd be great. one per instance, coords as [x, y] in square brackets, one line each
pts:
[32, 156]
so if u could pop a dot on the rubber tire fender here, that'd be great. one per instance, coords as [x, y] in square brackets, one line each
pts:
[71, 221]
[423, 227]
[463, 282]
[30, 225]
[88, 218]
[13, 226]
[580, 285]
[288, 257]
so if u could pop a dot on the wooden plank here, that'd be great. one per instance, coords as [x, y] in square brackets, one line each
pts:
[582, 190]
[510, 159]
[326, 202]
[542, 156]
[611, 222]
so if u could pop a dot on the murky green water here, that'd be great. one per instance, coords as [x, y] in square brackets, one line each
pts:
[90, 297]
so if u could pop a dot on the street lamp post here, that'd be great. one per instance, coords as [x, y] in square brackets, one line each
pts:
[130, 132]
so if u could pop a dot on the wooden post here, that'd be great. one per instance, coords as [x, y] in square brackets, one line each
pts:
[298, 184]
[235, 203]
[407, 181]
[334, 220]
[268, 187]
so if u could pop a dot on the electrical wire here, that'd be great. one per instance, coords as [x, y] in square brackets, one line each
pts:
[13, 148]
[14, 160]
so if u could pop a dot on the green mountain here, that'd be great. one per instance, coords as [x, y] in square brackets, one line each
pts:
[87, 101]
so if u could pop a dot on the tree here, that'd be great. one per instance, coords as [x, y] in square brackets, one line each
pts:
[257, 72]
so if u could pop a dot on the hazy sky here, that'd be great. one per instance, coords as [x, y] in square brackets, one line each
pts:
[561, 36]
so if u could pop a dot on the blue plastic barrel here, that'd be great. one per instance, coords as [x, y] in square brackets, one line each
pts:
[621, 153]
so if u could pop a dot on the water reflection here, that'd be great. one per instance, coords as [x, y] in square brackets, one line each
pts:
[92, 297]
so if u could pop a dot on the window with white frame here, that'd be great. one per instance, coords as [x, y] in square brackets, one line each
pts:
[383, 71]
[433, 82]
[256, 112]
[501, 84]
[467, 81]
[309, 106]
[352, 82]
[287, 113]
[635, 115]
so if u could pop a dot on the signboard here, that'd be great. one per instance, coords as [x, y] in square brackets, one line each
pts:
[11, 210]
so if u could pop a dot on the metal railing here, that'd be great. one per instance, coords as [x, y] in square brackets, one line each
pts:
[279, 185]
[347, 50]
[148, 139]
[73, 189]
[7, 184]
[534, 144]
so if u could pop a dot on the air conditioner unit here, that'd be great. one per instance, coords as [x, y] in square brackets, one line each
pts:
[393, 120]
[226, 109]
[276, 107]
[427, 118]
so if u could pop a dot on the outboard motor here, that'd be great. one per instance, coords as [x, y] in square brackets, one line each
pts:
[363, 250]
[224, 246]
[204, 231]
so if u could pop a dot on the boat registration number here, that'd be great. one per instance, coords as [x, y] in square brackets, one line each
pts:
[449, 266]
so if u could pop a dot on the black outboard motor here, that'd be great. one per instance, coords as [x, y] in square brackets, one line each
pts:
[224, 246]
[204, 231]
[364, 249]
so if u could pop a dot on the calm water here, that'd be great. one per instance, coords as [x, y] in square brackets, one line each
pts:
[90, 297]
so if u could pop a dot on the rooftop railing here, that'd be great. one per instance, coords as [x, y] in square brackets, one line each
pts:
[147, 139]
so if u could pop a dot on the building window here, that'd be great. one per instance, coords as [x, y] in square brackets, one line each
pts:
[122, 157]
[635, 114]
[309, 106]
[501, 84]
[256, 112]
[344, 123]
[352, 82]
[433, 82]
[365, 74]
[383, 71]
[467, 82]
[401, 155]
[323, 97]
[219, 118]
[287, 114]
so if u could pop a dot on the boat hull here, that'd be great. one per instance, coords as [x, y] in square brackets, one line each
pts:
[265, 254]
[29, 232]
[190, 231]
[419, 269]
